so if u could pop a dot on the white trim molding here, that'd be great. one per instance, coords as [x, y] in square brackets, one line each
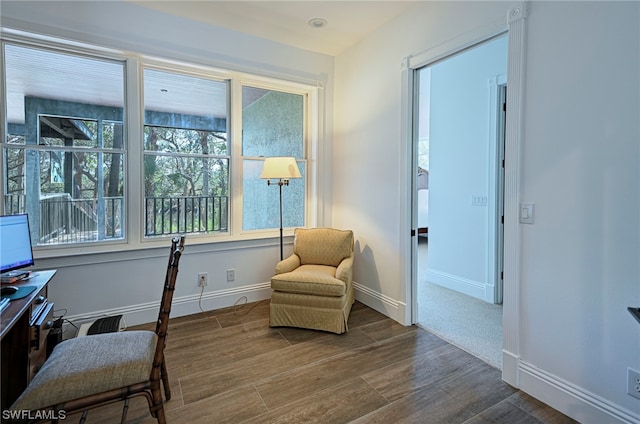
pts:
[512, 190]
[408, 202]
[578, 403]
[495, 143]
[469, 287]
[392, 308]
[181, 306]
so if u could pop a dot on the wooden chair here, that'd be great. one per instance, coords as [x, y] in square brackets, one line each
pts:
[87, 372]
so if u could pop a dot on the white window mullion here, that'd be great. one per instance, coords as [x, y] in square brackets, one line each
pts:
[235, 171]
[134, 186]
[314, 150]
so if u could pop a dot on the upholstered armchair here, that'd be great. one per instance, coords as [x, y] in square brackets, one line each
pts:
[312, 288]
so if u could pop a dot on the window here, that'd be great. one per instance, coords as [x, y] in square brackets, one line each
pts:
[272, 125]
[65, 149]
[186, 154]
[91, 171]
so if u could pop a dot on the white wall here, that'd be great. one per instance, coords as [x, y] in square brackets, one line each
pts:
[460, 151]
[131, 282]
[580, 260]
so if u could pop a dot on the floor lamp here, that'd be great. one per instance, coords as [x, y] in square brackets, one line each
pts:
[281, 169]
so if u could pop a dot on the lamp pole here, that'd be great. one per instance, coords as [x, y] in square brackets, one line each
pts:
[281, 182]
[281, 169]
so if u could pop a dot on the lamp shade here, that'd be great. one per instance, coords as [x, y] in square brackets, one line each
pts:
[280, 167]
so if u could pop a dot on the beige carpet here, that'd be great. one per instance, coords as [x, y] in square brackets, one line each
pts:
[467, 322]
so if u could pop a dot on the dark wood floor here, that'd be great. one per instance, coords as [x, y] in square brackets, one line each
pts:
[228, 366]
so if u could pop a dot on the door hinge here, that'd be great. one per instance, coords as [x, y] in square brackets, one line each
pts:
[502, 219]
[413, 233]
[504, 106]
[501, 275]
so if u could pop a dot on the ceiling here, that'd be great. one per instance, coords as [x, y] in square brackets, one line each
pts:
[43, 74]
[286, 22]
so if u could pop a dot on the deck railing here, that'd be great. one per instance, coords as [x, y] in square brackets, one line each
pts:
[67, 220]
[186, 214]
[13, 204]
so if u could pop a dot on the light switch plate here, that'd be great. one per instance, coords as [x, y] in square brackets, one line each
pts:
[527, 213]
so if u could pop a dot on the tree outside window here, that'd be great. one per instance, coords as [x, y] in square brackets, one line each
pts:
[186, 154]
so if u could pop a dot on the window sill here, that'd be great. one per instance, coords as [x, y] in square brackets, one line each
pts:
[57, 257]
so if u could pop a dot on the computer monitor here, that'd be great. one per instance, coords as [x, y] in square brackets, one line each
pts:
[15, 244]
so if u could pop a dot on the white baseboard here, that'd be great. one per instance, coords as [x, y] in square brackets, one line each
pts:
[574, 401]
[454, 282]
[181, 306]
[510, 368]
[392, 308]
[187, 305]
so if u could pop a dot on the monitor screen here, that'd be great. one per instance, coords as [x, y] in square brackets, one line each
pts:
[15, 243]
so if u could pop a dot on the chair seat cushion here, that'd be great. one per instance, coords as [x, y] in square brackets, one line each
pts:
[88, 365]
[310, 279]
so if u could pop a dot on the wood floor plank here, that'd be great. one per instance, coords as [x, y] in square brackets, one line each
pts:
[220, 354]
[301, 382]
[384, 329]
[340, 404]
[363, 315]
[233, 406]
[422, 370]
[539, 410]
[268, 364]
[503, 413]
[229, 366]
[210, 331]
[244, 313]
[453, 399]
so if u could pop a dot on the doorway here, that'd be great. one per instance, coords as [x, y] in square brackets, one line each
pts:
[459, 132]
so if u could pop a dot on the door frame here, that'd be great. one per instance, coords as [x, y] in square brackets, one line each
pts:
[515, 27]
[491, 292]
[495, 248]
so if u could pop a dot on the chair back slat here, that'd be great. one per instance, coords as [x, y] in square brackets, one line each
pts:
[177, 246]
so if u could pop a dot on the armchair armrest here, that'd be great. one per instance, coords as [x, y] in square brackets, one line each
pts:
[344, 271]
[288, 264]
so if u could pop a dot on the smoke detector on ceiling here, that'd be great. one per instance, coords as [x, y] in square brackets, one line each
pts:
[317, 23]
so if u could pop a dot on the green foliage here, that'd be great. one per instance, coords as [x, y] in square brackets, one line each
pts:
[195, 163]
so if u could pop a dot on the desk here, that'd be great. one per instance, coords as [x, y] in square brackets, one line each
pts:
[24, 326]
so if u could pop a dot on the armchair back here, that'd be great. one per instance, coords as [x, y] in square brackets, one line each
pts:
[322, 246]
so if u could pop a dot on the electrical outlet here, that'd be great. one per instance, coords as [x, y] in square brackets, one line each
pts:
[633, 383]
[231, 275]
[202, 279]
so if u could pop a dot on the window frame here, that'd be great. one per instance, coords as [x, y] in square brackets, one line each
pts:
[133, 122]
[194, 72]
[307, 136]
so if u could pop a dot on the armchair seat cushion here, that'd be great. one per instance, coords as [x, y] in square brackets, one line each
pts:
[310, 279]
[88, 365]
